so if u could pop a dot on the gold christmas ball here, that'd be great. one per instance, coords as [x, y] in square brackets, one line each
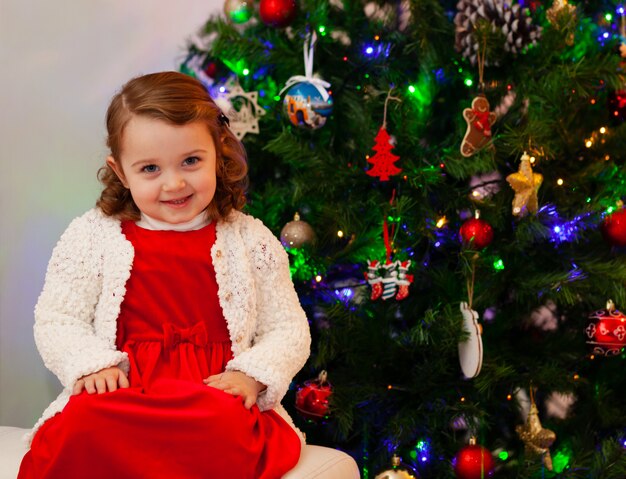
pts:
[297, 233]
[397, 471]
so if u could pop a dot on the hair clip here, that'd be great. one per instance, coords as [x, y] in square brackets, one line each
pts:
[223, 119]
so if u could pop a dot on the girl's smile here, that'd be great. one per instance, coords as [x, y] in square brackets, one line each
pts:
[181, 203]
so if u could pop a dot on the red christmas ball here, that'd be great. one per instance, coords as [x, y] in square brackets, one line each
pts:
[312, 398]
[476, 233]
[473, 462]
[614, 228]
[277, 13]
[606, 333]
[211, 69]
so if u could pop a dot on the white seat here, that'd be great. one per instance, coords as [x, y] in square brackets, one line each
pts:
[315, 461]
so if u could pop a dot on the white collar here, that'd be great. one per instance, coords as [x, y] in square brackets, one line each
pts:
[148, 223]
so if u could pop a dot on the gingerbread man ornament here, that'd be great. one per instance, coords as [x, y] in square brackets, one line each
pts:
[479, 120]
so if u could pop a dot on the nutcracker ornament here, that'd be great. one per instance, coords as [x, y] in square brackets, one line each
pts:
[473, 462]
[606, 333]
[312, 398]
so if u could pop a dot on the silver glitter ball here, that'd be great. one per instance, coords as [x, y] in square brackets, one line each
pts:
[297, 233]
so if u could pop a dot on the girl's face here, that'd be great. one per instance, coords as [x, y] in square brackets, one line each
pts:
[169, 169]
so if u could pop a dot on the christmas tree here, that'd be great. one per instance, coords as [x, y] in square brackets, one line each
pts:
[435, 325]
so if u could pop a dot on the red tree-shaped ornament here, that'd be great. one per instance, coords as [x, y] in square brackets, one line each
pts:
[384, 159]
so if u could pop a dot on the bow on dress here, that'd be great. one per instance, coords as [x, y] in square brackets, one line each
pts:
[173, 336]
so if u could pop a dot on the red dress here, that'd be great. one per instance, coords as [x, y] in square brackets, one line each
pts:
[168, 424]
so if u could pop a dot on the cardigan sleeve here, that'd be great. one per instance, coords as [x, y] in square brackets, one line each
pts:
[282, 340]
[64, 313]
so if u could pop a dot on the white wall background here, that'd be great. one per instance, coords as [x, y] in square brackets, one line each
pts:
[61, 63]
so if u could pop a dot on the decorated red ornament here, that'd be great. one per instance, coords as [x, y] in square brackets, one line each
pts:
[614, 228]
[473, 462]
[312, 398]
[384, 159]
[476, 233]
[277, 13]
[606, 333]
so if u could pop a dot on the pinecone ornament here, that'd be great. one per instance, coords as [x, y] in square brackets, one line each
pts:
[514, 21]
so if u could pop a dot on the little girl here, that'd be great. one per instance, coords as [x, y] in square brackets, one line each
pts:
[168, 315]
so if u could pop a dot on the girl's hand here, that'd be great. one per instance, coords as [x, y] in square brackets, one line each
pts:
[237, 384]
[101, 381]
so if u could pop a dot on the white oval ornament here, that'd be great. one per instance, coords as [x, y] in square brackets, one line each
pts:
[471, 350]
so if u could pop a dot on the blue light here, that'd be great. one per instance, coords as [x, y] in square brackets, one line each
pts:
[576, 274]
[423, 448]
[605, 34]
[222, 89]
[377, 50]
[563, 230]
[437, 244]
[344, 293]
[620, 10]
[440, 75]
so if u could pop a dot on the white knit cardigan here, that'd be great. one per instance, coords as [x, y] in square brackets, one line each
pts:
[76, 314]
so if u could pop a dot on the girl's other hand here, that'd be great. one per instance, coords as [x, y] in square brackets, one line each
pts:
[107, 379]
[237, 384]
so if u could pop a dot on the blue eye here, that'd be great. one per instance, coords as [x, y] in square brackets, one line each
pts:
[192, 160]
[150, 169]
